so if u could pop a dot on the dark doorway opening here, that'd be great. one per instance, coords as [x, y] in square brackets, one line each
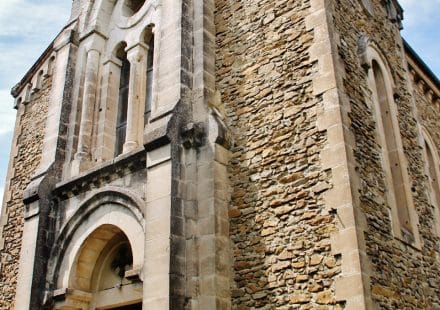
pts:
[130, 307]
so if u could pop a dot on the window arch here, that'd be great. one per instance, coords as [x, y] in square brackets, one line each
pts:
[433, 173]
[398, 194]
[131, 7]
[125, 84]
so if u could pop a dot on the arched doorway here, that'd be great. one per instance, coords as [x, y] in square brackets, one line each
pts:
[98, 257]
[102, 274]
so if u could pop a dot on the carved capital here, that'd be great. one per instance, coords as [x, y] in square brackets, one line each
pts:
[137, 53]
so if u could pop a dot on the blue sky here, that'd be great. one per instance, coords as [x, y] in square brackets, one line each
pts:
[27, 28]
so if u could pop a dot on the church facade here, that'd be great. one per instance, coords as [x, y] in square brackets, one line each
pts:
[225, 154]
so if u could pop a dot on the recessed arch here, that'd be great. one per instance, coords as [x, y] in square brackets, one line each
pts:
[147, 34]
[432, 169]
[148, 38]
[131, 7]
[120, 52]
[380, 80]
[100, 251]
[109, 206]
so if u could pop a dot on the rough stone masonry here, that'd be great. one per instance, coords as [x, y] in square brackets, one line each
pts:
[268, 174]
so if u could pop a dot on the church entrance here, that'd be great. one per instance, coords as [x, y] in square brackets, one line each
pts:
[103, 276]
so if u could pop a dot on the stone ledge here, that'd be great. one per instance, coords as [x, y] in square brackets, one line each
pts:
[119, 166]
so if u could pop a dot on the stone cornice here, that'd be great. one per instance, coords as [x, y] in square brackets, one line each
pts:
[102, 173]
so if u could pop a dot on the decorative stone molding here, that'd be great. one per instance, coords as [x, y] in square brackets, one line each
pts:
[31, 82]
[395, 12]
[97, 208]
[193, 135]
[363, 43]
[102, 173]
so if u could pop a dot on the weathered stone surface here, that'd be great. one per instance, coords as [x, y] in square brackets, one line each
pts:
[397, 269]
[264, 76]
[28, 146]
[256, 226]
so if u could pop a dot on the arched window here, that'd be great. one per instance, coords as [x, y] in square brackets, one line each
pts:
[150, 62]
[390, 148]
[432, 170]
[121, 121]
[398, 194]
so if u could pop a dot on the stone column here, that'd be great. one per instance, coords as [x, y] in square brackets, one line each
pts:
[88, 106]
[111, 75]
[137, 55]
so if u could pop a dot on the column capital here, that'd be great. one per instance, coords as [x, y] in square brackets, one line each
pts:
[137, 53]
[113, 60]
[93, 40]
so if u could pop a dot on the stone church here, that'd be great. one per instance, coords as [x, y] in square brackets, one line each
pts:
[224, 154]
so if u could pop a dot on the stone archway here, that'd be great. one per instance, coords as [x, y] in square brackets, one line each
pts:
[98, 258]
[102, 273]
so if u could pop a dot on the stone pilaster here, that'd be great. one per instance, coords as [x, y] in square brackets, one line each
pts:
[137, 55]
[353, 284]
[105, 142]
[88, 107]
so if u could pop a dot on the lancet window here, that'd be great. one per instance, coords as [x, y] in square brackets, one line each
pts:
[398, 194]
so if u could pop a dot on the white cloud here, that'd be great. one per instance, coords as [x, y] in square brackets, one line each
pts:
[421, 30]
[26, 29]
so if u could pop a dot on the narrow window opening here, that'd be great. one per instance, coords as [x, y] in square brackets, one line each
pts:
[121, 121]
[149, 87]
[392, 153]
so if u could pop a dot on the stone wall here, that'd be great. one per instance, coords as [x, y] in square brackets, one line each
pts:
[401, 276]
[280, 230]
[26, 155]
[428, 110]
[426, 97]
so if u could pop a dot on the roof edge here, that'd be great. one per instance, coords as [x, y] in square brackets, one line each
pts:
[425, 68]
[18, 88]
